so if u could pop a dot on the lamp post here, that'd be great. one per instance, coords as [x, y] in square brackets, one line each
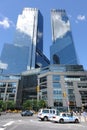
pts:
[65, 95]
[38, 90]
[0, 93]
[7, 97]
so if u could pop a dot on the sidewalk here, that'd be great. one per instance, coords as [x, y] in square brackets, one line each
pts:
[83, 119]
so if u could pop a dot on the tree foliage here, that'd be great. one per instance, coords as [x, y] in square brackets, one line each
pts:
[4, 105]
[27, 105]
[34, 104]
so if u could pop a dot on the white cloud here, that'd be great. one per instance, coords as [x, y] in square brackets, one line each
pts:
[63, 27]
[6, 23]
[81, 17]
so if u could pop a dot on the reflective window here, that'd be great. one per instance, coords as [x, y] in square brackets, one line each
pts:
[62, 39]
[56, 77]
[56, 59]
[56, 85]
[82, 85]
[57, 68]
[43, 79]
[2, 84]
[59, 92]
[68, 84]
[83, 97]
[45, 111]
[58, 103]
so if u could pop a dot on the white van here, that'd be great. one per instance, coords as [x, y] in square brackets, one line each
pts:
[45, 114]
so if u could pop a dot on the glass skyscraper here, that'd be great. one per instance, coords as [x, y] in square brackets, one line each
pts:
[30, 28]
[62, 51]
[29, 32]
[27, 51]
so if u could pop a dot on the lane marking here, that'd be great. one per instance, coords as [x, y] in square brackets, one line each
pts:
[19, 120]
[1, 128]
[9, 123]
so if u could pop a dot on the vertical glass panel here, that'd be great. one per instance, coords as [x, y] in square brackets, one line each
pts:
[56, 77]
[56, 85]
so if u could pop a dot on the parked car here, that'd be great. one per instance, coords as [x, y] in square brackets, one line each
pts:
[45, 114]
[64, 117]
[27, 113]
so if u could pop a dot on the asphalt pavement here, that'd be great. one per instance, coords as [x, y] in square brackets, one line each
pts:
[15, 121]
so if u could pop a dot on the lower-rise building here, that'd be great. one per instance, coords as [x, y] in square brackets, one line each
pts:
[10, 89]
[61, 86]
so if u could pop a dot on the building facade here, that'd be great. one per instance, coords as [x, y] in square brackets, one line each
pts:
[63, 86]
[29, 32]
[19, 88]
[27, 51]
[62, 51]
[10, 89]
[29, 29]
[60, 86]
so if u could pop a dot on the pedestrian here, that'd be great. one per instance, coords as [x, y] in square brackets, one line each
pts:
[84, 114]
[71, 113]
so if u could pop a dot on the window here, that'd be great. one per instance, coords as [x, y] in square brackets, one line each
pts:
[45, 111]
[82, 85]
[56, 85]
[43, 79]
[57, 92]
[69, 83]
[64, 115]
[70, 91]
[56, 59]
[3, 84]
[56, 77]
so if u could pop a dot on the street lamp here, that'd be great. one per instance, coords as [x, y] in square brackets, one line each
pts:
[7, 98]
[65, 95]
[38, 90]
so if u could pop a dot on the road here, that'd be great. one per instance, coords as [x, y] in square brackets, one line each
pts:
[16, 122]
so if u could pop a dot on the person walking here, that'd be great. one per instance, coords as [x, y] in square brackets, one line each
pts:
[84, 114]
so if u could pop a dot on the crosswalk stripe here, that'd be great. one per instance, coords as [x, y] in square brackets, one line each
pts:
[9, 123]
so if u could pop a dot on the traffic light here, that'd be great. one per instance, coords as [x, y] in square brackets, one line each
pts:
[38, 88]
[64, 94]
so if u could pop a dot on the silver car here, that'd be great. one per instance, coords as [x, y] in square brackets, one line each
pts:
[64, 117]
[45, 114]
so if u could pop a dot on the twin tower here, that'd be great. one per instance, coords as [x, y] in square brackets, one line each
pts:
[26, 52]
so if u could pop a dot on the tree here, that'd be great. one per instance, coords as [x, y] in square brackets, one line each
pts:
[42, 104]
[4, 105]
[1, 104]
[27, 104]
[34, 104]
[10, 105]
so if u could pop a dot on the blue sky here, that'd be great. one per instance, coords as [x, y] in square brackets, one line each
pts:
[76, 11]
